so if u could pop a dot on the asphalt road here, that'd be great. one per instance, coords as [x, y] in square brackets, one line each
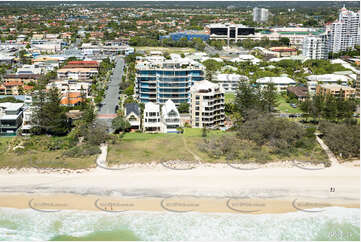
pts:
[111, 98]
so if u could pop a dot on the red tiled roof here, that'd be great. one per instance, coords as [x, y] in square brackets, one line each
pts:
[13, 83]
[71, 98]
[26, 87]
[284, 49]
[82, 62]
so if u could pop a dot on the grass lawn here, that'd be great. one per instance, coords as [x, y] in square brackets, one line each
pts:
[229, 97]
[40, 158]
[145, 148]
[285, 107]
[170, 50]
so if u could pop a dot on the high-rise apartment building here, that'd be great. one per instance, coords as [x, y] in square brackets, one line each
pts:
[159, 79]
[207, 106]
[345, 32]
[315, 47]
[260, 14]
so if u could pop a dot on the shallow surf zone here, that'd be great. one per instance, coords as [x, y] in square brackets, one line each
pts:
[333, 223]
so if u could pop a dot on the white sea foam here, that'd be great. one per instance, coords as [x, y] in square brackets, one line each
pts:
[26, 224]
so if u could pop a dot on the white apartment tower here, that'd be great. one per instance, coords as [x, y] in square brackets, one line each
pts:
[207, 105]
[260, 14]
[315, 47]
[345, 32]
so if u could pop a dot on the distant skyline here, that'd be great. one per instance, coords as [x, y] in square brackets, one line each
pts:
[192, 4]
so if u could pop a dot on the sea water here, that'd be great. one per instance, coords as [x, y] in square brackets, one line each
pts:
[333, 223]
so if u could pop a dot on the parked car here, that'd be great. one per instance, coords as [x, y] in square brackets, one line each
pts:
[293, 105]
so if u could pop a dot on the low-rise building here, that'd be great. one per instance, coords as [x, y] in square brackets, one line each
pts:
[336, 90]
[170, 117]
[314, 80]
[230, 82]
[283, 51]
[11, 118]
[299, 92]
[77, 73]
[65, 86]
[280, 83]
[207, 105]
[151, 118]
[71, 99]
[132, 115]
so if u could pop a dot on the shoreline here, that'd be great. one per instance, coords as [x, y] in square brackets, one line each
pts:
[48, 203]
[205, 188]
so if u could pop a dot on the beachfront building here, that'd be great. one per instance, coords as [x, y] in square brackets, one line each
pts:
[315, 47]
[229, 82]
[345, 32]
[260, 14]
[151, 118]
[280, 83]
[27, 116]
[207, 106]
[132, 115]
[336, 90]
[159, 79]
[170, 117]
[11, 118]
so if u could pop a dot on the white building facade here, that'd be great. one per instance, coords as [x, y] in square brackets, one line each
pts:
[280, 83]
[151, 118]
[345, 32]
[170, 117]
[260, 14]
[207, 106]
[315, 47]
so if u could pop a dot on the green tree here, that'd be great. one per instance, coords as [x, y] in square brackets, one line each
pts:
[183, 108]
[48, 116]
[89, 114]
[120, 124]
[269, 97]
[330, 108]
[246, 98]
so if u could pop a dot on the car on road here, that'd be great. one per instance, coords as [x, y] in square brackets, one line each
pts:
[293, 105]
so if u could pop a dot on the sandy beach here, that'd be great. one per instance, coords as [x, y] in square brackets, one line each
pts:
[207, 188]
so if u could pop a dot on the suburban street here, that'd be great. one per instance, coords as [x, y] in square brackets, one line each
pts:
[107, 111]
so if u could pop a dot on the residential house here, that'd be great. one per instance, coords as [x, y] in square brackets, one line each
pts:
[299, 92]
[280, 83]
[230, 82]
[170, 117]
[71, 99]
[11, 117]
[132, 115]
[151, 118]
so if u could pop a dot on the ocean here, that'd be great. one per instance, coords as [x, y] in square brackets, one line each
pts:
[333, 223]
